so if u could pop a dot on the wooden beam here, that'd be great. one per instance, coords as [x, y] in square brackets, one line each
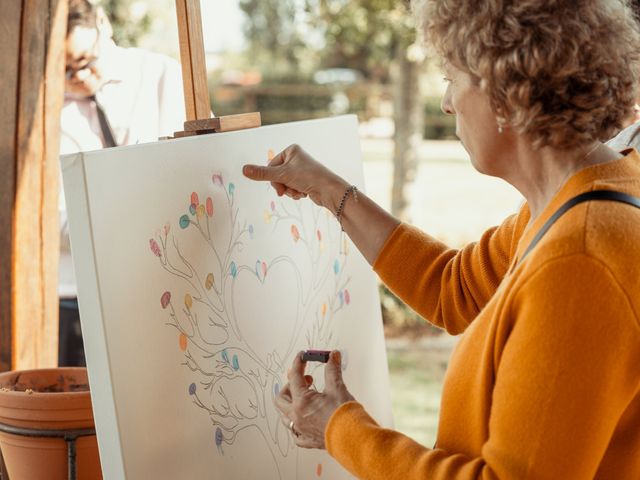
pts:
[50, 225]
[194, 71]
[10, 21]
[32, 33]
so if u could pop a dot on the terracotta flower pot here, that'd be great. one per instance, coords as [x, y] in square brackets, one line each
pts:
[47, 399]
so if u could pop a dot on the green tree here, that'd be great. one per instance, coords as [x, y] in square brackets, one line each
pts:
[130, 20]
[378, 37]
[274, 35]
[375, 37]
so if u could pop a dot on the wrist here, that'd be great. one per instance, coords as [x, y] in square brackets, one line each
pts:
[332, 194]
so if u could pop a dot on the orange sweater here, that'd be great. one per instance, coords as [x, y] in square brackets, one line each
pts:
[545, 382]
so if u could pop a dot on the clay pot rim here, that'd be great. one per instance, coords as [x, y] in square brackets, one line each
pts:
[37, 394]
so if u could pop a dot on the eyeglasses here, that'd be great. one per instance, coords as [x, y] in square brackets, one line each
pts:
[90, 59]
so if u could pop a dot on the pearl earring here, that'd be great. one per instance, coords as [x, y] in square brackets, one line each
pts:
[500, 129]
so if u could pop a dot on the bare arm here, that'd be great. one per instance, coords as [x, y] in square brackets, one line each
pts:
[296, 174]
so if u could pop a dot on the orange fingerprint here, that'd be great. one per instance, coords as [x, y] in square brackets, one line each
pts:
[183, 342]
[319, 470]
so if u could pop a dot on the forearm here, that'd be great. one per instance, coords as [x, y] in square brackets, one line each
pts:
[371, 452]
[366, 223]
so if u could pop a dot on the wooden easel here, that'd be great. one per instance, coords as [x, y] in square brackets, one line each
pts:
[194, 77]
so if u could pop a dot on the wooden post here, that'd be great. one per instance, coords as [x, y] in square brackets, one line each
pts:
[194, 71]
[32, 61]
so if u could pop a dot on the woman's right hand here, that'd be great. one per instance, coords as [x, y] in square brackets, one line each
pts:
[295, 173]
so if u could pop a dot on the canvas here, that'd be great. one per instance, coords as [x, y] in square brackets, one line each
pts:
[197, 287]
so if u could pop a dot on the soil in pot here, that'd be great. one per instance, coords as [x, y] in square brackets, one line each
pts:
[50, 399]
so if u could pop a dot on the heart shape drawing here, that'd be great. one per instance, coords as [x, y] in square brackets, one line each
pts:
[267, 308]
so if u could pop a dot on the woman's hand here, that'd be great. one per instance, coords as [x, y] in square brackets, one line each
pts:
[308, 409]
[294, 173]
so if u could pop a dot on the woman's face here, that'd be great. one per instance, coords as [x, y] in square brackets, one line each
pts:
[476, 123]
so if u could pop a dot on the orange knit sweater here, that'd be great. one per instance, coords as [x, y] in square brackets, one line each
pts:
[545, 381]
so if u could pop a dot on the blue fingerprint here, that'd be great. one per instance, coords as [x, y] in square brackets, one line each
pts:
[336, 267]
[276, 388]
[232, 188]
[192, 209]
[225, 356]
[184, 221]
[258, 268]
[234, 269]
[341, 297]
[192, 389]
[234, 363]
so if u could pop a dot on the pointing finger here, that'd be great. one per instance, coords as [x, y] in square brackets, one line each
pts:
[256, 172]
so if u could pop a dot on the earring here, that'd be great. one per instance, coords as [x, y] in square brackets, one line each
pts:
[500, 129]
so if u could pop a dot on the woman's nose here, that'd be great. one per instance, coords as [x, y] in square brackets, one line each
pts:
[445, 104]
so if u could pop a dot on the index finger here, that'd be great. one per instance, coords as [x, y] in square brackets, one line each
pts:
[257, 172]
[297, 380]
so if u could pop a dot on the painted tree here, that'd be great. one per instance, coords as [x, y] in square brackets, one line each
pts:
[237, 374]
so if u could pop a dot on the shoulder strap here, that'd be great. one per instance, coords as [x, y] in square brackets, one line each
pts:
[583, 197]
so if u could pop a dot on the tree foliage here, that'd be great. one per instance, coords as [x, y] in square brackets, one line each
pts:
[314, 34]
[362, 34]
[130, 20]
[274, 34]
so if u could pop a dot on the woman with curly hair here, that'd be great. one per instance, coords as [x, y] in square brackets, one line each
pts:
[545, 381]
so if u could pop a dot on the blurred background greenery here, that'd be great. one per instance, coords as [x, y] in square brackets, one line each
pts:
[302, 59]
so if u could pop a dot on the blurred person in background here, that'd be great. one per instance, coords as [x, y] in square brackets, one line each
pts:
[630, 136]
[113, 96]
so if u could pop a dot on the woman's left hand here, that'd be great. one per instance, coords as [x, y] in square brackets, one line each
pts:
[308, 409]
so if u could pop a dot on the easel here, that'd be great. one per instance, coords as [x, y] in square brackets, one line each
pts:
[194, 78]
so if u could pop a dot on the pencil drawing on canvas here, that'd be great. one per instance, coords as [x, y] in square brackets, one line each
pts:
[238, 363]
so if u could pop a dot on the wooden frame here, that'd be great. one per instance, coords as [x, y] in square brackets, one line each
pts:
[32, 84]
[194, 73]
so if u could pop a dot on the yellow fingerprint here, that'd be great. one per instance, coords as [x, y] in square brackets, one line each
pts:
[208, 283]
[188, 301]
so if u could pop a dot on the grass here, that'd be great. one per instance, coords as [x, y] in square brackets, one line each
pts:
[417, 372]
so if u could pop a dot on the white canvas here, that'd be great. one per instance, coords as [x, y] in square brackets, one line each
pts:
[196, 288]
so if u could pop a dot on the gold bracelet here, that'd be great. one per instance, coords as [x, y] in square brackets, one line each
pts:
[350, 189]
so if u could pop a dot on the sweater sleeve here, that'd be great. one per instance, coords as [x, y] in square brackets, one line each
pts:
[567, 372]
[446, 286]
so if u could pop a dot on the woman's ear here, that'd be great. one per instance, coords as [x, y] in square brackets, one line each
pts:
[103, 23]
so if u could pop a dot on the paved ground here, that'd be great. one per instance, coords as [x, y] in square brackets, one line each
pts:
[456, 204]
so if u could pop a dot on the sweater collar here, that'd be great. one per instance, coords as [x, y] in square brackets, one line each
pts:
[582, 181]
